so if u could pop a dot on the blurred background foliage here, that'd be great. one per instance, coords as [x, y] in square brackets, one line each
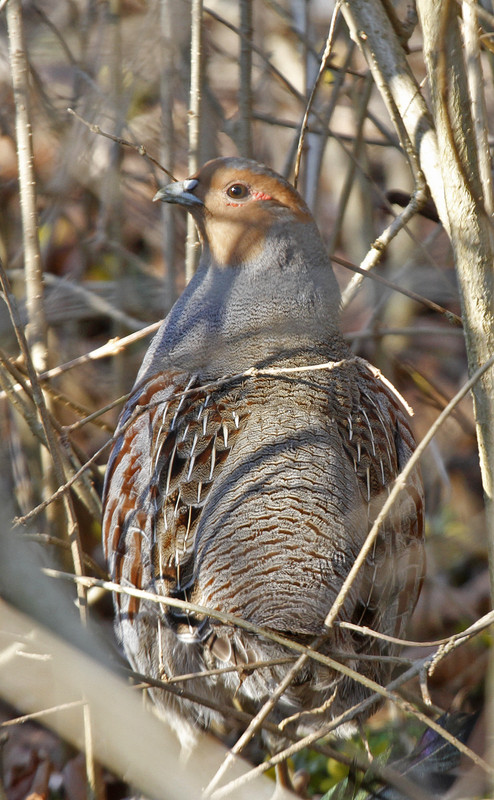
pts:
[113, 262]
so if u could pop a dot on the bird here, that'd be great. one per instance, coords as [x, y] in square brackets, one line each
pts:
[251, 459]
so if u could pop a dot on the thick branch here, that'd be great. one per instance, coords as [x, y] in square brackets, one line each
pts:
[371, 28]
[470, 228]
[451, 172]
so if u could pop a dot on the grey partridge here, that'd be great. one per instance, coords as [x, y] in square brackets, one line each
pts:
[251, 491]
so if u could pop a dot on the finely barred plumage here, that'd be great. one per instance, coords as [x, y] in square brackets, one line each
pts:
[253, 494]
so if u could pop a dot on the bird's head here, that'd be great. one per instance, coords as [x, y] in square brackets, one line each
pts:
[264, 289]
[236, 204]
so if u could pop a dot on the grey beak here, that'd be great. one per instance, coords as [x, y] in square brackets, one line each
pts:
[180, 193]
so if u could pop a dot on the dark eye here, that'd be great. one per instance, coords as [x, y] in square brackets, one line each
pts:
[237, 191]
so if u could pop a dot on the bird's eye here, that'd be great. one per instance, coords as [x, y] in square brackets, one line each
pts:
[237, 191]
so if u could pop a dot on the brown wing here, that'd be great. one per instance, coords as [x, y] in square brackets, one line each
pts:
[171, 441]
[378, 439]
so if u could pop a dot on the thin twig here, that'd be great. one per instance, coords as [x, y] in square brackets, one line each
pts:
[411, 791]
[111, 348]
[139, 148]
[276, 72]
[450, 315]
[243, 717]
[168, 53]
[477, 98]
[194, 126]
[344, 137]
[307, 652]
[459, 638]
[36, 332]
[56, 456]
[477, 627]
[94, 301]
[36, 715]
[412, 331]
[322, 68]
[353, 163]
[245, 80]
[29, 413]
[25, 409]
[378, 247]
[63, 488]
[62, 544]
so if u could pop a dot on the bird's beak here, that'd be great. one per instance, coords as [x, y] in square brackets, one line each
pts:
[180, 193]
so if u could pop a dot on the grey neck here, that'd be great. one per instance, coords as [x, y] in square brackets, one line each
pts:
[280, 308]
